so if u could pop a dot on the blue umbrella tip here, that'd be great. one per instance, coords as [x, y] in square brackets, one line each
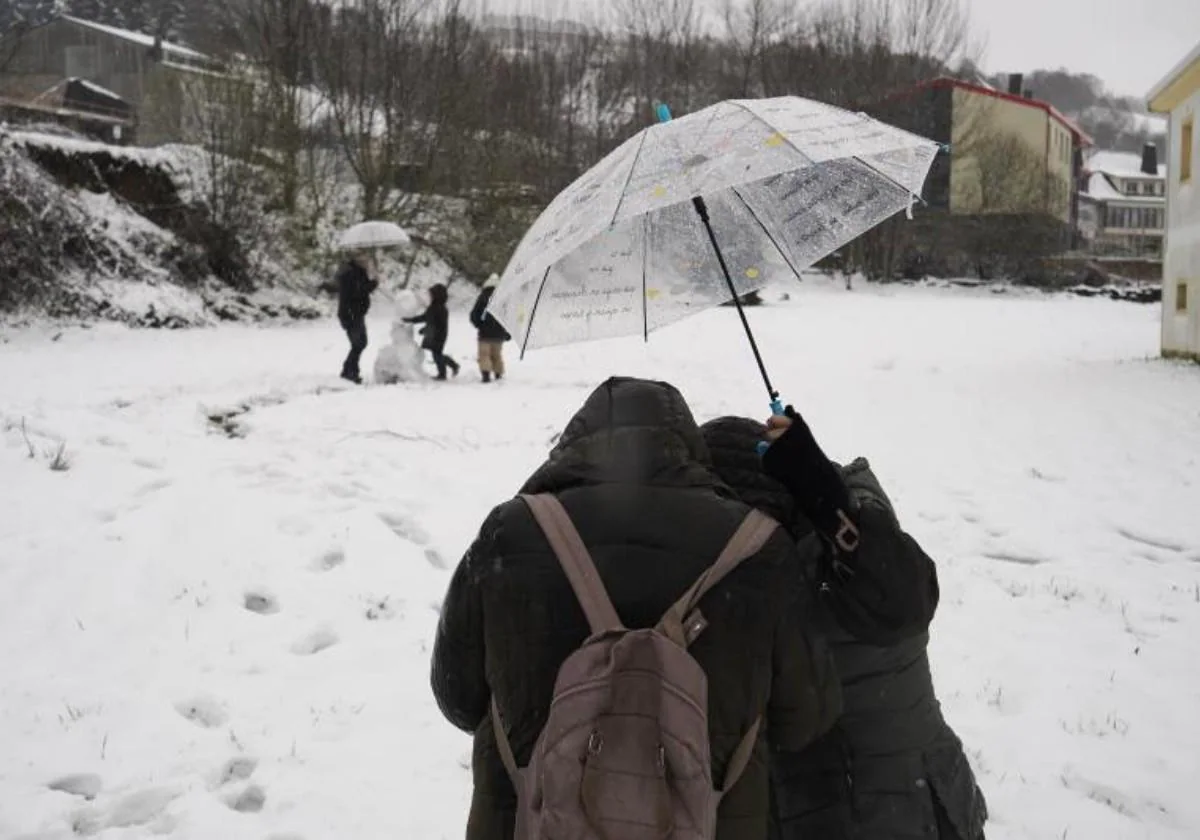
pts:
[662, 112]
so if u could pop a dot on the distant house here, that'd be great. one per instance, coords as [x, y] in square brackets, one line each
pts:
[1006, 152]
[1123, 203]
[148, 74]
[1179, 96]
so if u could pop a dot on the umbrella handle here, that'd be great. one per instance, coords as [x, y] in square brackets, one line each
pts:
[779, 411]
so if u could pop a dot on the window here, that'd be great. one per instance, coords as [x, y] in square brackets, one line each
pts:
[1181, 301]
[1185, 151]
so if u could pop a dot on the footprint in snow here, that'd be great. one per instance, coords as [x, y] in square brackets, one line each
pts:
[380, 609]
[144, 808]
[249, 801]
[405, 527]
[153, 487]
[318, 640]
[1162, 543]
[87, 785]
[202, 710]
[330, 560]
[1019, 559]
[261, 602]
[435, 559]
[236, 770]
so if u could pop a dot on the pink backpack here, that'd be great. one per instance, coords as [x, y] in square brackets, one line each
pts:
[624, 754]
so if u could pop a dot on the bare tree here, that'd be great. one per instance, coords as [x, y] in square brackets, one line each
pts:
[223, 111]
[371, 62]
[662, 42]
[750, 27]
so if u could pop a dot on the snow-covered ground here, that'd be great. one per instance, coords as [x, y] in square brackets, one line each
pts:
[224, 632]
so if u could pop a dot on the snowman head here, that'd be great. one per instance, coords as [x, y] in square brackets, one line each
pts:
[408, 305]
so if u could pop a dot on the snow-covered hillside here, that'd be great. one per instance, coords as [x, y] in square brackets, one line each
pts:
[222, 629]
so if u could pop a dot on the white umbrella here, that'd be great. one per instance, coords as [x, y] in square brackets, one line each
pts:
[367, 235]
[692, 212]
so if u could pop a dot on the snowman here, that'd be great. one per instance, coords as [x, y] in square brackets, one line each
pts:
[402, 360]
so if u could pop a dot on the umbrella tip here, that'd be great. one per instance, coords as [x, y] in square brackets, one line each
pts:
[662, 112]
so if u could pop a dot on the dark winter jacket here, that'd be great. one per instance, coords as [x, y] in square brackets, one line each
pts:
[489, 328]
[354, 293]
[436, 319]
[891, 769]
[631, 470]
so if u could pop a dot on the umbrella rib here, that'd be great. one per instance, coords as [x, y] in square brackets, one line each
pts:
[798, 150]
[628, 179]
[766, 232]
[533, 312]
[645, 259]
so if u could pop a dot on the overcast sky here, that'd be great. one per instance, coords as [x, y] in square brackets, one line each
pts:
[1129, 44]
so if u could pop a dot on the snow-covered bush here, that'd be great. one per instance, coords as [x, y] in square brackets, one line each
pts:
[95, 231]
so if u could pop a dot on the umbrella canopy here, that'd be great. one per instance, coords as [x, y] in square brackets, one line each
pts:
[372, 235]
[625, 249]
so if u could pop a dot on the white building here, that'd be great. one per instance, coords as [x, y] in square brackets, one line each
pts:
[1179, 96]
[1123, 203]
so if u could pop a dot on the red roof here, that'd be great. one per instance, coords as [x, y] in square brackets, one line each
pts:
[945, 82]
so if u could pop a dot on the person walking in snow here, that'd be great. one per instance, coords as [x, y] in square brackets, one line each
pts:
[891, 768]
[491, 333]
[354, 288]
[631, 473]
[436, 319]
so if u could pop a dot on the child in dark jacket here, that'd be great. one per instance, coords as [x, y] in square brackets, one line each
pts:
[436, 319]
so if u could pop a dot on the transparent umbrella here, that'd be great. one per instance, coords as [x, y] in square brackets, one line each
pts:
[694, 211]
[370, 235]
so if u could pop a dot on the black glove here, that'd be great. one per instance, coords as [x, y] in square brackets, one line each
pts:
[796, 461]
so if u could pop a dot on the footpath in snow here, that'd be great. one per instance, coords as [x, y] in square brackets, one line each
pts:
[221, 628]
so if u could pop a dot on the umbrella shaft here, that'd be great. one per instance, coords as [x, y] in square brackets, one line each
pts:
[702, 211]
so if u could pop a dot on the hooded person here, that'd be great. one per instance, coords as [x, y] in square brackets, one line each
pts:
[436, 319]
[354, 288]
[891, 767]
[491, 333]
[631, 471]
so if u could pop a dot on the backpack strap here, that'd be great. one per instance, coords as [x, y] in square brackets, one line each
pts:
[505, 747]
[740, 759]
[576, 562]
[683, 622]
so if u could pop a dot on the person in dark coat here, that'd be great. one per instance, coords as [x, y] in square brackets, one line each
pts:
[354, 288]
[891, 768]
[632, 471]
[491, 333]
[436, 319]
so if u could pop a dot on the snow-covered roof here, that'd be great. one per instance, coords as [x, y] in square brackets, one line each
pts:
[1120, 165]
[103, 91]
[1176, 73]
[1100, 188]
[137, 38]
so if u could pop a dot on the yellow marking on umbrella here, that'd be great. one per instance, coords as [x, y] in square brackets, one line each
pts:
[775, 139]
[659, 191]
[653, 294]
[752, 273]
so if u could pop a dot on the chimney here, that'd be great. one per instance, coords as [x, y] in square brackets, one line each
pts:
[1015, 82]
[1150, 159]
